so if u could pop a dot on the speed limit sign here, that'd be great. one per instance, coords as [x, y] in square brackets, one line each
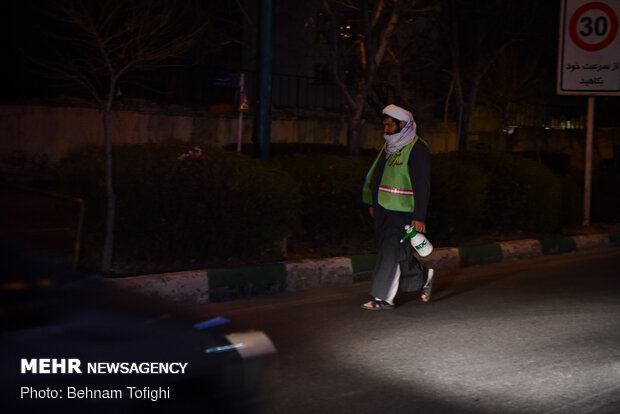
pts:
[589, 49]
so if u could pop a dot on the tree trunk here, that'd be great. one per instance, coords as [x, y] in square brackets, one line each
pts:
[464, 129]
[354, 130]
[108, 243]
[460, 103]
[371, 56]
[354, 135]
[468, 110]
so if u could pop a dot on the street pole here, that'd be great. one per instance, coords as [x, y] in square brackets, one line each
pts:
[262, 119]
[588, 162]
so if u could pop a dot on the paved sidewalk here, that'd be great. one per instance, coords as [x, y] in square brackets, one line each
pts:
[214, 285]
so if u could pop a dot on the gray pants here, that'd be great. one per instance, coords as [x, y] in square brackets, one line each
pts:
[396, 267]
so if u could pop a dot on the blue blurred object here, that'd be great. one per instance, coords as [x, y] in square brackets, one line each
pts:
[219, 320]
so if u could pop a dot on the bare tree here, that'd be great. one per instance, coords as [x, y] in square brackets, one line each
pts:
[408, 75]
[358, 46]
[105, 40]
[476, 32]
[510, 83]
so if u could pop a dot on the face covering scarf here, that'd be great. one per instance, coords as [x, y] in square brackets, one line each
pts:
[394, 142]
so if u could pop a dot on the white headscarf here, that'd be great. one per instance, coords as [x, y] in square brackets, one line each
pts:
[394, 142]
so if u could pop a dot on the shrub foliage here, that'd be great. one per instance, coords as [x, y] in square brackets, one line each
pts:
[221, 208]
[331, 188]
[227, 208]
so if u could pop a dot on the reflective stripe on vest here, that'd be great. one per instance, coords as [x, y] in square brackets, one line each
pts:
[395, 190]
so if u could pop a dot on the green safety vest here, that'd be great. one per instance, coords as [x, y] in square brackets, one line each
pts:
[395, 190]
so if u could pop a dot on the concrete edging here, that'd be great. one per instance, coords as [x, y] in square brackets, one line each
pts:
[214, 285]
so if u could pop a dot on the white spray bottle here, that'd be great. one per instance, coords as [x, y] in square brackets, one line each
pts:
[418, 240]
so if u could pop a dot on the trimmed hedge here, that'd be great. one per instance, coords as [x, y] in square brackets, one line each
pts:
[473, 193]
[227, 208]
[606, 196]
[458, 203]
[331, 189]
[572, 198]
[522, 195]
[604, 200]
[222, 208]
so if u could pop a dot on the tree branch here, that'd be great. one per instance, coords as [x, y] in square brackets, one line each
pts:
[387, 33]
[335, 55]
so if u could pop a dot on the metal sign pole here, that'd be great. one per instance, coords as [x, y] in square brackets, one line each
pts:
[262, 116]
[588, 162]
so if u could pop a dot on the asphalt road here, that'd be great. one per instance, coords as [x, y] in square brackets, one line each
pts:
[533, 336]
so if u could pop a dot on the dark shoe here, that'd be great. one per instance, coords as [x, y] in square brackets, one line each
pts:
[427, 289]
[376, 304]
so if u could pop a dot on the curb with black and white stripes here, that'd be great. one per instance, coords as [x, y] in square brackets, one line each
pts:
[214, 285]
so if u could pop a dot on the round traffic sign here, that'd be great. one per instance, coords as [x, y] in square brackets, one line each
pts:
[594, 21]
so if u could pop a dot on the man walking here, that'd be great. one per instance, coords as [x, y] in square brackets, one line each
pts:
[397, 190]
